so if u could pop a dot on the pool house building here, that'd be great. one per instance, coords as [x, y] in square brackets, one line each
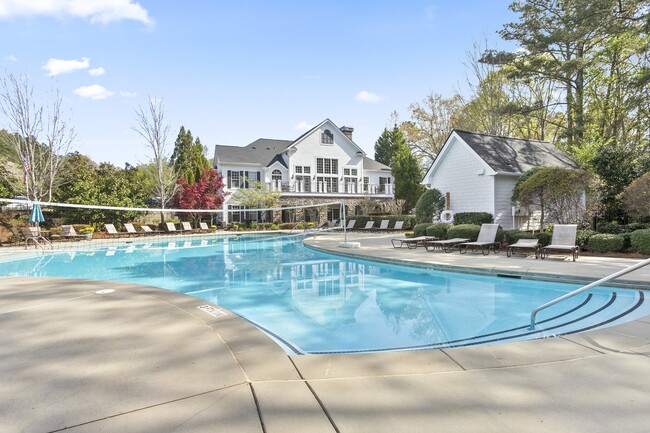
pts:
[323, 165]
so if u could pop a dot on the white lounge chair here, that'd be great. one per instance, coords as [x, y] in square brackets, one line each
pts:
[383, 226]
[351, 224]
[412, 243]
[525, 245]
[486, 240]
[130, 229]
[110, 229]
[149, 230]
[204, 226]
[186, 226]
[171, 227]
[369, 225]
[398, 225]
[563, 240]
[68, 231]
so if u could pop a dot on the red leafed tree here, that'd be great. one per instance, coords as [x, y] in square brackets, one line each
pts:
[206, 193]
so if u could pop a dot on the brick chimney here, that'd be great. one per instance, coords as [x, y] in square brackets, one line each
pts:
[347, 130]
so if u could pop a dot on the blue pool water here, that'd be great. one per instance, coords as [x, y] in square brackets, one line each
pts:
[313, 302]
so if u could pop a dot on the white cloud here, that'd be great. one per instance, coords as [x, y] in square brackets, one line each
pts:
[369, 97]
[302, 126]
[94, 91]
[59, 66]
[128, 94]
[11, 58]
[96, 72]
[97, 11]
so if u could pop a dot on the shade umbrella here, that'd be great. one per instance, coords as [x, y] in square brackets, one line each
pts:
[36, 216]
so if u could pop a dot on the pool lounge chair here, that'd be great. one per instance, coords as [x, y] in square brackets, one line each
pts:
[412, 243]
[187, 227]
[351, 224]
[130, 229]
[383, 226]
[148, 230]
[524, 245]
[110, 229]
[398, 225]
[204, 227]
[34, 234]
[445, 245]
[171, 227]
[563, 240]
[68, 232]
[369, 225]
[486, 240]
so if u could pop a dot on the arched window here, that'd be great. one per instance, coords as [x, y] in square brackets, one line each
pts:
[276, 175]
[327, 137]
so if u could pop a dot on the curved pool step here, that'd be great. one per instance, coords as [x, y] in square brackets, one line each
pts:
[590, 314]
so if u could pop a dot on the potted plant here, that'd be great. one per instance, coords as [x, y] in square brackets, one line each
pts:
[88, 232]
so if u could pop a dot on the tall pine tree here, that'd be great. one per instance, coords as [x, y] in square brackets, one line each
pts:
[406, 170]
[385, 149]
[188, 159]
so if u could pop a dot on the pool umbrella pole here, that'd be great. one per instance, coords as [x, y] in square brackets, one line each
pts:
[36, 216]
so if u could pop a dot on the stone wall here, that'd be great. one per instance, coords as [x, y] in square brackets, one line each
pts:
[309, 215]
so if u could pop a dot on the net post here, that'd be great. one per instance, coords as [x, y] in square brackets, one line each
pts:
[345, 231]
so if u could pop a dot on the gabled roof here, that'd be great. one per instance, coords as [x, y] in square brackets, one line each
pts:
[371, 164]
[299, 139]
[265, 152]
[262, 151]
[514, 155]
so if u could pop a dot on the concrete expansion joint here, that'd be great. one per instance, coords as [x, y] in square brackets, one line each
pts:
[127, 412]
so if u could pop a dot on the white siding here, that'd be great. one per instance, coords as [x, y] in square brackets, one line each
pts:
[503, 186]
[310, 148]
[459, 175]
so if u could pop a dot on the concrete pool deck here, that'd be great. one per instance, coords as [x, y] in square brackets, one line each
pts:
[144, 359]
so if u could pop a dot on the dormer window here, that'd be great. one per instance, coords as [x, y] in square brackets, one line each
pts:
[327, 137]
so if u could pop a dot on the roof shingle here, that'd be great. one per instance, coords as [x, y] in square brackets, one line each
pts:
[515, 155]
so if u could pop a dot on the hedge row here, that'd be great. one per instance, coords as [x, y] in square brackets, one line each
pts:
[476, 218]
[617, 229]
[589, 240]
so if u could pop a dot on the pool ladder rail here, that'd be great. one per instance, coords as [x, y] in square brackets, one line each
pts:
[533, 314]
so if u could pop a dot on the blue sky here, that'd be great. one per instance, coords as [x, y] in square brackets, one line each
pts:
[233, 72]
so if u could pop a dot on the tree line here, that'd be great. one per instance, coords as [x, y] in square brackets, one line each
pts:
[578, 78]
[37, 160]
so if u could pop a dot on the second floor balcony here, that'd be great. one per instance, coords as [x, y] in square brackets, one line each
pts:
[330, 187]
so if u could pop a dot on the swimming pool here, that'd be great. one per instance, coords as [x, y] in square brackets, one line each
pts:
[312, 302]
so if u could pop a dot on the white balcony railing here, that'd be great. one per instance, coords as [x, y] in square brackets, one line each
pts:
[331, 188]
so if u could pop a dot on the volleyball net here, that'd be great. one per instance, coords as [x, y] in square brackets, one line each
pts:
[77, 226]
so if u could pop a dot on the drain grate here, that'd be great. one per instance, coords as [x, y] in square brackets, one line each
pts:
[211, 310]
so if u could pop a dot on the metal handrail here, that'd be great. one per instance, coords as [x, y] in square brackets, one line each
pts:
[627, 270]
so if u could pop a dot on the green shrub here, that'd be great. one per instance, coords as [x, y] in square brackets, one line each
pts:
[421, 229]
[605, 243]
[512, 236]
[610, 227]
[477, 218]
[627, 241]
[438, 230]
[640, 241]
[431, 203]
[468, 231]
[288, 226]
[544, 238]
[582, 238]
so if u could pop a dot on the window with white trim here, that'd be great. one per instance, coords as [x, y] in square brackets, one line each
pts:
[326, 137]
